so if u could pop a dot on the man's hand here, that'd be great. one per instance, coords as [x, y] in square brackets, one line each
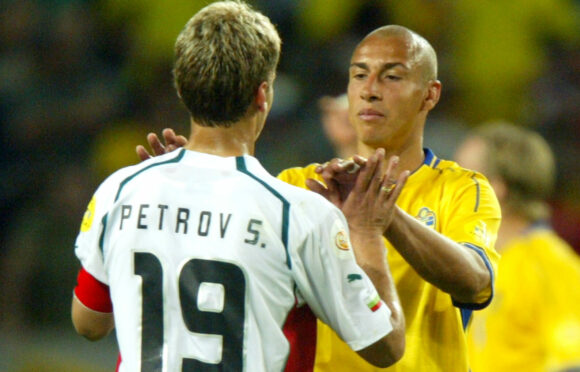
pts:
[369, 207]
[172, 142]
[365, 195]
[339, 175]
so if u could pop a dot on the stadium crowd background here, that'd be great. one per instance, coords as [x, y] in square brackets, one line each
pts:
[83, 81]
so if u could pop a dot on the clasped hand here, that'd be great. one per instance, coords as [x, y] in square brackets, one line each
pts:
[363, 189]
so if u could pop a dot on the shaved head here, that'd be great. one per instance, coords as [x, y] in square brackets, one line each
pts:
[421, 52]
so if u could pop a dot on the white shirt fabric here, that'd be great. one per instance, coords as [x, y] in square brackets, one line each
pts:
[205, 256]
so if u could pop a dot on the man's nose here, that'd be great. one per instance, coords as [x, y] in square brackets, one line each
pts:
[371, 90]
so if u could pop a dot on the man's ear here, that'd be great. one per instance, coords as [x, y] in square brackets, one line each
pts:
[433, 95]
[261, 99]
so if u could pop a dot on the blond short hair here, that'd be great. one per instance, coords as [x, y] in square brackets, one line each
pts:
[524, 161]
[223, 54]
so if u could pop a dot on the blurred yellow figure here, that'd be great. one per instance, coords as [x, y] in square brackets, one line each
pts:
[533, 323]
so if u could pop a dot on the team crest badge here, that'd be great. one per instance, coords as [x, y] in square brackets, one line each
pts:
[478, 230]
[427, 217]
[341, 241]
[89, 216]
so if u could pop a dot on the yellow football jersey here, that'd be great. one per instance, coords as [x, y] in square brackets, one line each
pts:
[534, 322]
[461, 205]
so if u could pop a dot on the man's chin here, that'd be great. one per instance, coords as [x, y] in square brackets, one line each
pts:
[375, 142]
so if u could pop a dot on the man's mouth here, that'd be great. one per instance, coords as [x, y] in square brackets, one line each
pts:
[370, 114]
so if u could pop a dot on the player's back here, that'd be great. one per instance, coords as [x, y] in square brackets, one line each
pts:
[196, 253]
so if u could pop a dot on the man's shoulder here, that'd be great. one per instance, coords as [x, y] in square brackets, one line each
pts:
[449, 172]
[297, 176]
[292, 185]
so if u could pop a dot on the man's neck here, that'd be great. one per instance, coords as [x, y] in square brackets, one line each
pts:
[410, 157]
[237, 140]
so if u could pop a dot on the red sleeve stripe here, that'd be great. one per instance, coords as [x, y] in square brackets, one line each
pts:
[92, 293]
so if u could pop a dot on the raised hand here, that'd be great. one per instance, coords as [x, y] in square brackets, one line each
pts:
[340, 175]
[172, 142]
[362, 191]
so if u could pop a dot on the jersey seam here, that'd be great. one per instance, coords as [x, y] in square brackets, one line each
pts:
[130, 178]
[241, 166]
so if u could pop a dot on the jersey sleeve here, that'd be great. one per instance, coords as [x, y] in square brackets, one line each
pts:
[474, 222]
[337, 290]
[92, 293]
[297, 176]
[89, 242]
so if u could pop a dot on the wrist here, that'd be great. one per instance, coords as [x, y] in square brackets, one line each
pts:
[393, 226]
[369, 249]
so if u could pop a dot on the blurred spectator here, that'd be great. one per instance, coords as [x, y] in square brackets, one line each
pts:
[533, 324]
[336, 125]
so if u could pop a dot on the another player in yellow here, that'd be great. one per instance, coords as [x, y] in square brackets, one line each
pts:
[534, 322]
[440, 241]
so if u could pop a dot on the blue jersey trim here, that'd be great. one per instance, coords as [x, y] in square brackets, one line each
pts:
[102, 237]
[465, 317]
[241, 166]
[431, 160]
[477, 193]
[126, 180]
[429, 156]
[473, 306]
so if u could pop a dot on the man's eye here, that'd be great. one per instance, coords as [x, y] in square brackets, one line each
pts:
[393, 77]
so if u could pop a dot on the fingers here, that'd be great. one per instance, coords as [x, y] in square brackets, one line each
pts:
[172, 140]
[370, 176]
[319, 188]
[390, 187]
[359, 160]
[400, 184]
[142, 153]
[328, 173]
[156, 145]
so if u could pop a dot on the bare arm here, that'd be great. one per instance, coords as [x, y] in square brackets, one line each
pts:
[390, 348]
[448, 265]
[368, 209]
[91, 324]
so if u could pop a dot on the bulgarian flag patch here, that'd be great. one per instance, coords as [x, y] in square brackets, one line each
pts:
[375, 303]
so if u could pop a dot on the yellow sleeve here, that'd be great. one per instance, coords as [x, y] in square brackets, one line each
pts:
[473, 221]
[297, 176]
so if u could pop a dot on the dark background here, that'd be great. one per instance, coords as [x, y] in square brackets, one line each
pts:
[83, 81]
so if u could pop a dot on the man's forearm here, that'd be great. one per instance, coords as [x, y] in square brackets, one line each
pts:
[442, 262]
[370, 254]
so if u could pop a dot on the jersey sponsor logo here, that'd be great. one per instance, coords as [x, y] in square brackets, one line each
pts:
[342, 241]
[352, 277]
[427, 217]
[89, 216]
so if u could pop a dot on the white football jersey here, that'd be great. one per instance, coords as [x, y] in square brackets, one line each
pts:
[205, 257]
